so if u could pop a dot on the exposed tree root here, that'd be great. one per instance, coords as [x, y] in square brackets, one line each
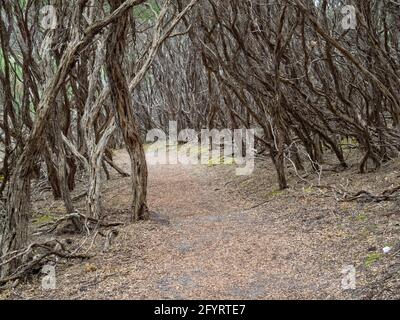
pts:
[363, 196]
[35, 256]
[85, 224]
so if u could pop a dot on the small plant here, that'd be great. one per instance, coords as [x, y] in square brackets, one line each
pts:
[361, 217]
[43, 219]
[275, 193]
[372, 258]
[308, 190]
[349, 143]
[221, 160]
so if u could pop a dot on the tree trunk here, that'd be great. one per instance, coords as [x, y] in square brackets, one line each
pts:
[15, 231]
[52, 174]
[121, 100]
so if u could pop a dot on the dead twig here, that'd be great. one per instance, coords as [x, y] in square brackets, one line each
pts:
[87, 222]
[43, 251]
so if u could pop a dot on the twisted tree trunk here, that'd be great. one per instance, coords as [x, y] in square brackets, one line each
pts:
[121, 100]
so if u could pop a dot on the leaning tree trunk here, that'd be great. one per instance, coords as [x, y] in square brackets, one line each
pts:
[121, 100]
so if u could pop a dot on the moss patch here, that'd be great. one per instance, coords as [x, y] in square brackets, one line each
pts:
[43, 219]
[372, 258]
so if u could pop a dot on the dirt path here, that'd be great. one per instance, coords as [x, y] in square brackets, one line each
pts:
[203, 241]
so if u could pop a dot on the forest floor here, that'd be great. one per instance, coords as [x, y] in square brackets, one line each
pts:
[215, 235]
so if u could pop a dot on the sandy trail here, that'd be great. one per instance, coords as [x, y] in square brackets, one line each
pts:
[204, 242]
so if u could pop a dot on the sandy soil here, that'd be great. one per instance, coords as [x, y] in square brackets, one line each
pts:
[213, 235]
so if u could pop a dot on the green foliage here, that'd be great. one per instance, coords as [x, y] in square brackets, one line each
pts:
[145, 12]
[18, 69]
[43, 219]
[221, 160]
[309, 189]
[275, 193]
[361, 217]
[348, 143]
[2, 63]
[22, 3]
[372, 258]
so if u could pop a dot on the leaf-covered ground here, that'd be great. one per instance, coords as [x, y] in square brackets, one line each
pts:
[214, 235]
